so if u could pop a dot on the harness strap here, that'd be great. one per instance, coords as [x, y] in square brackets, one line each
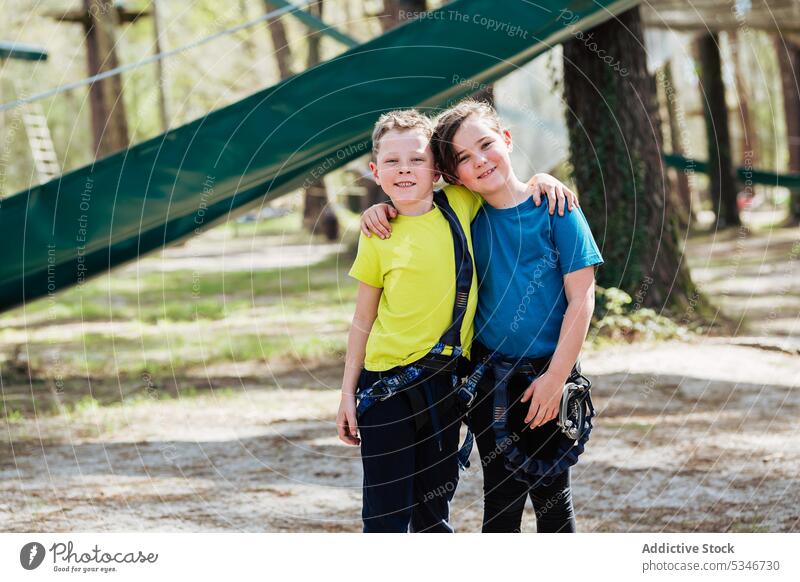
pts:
[464, 269]
[531, 470]
[406, 378]
[528, 469]
[466, 395]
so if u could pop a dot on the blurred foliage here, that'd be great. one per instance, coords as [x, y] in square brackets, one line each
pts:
[618, 318]
[197, 81]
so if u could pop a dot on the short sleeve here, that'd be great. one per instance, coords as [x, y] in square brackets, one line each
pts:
[367, 266]
[574, 241]
[464, 199]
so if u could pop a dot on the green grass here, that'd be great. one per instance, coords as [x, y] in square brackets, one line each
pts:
[186, 296]
[165, 348]
[288, 225]
[15, 417]
[183, 328]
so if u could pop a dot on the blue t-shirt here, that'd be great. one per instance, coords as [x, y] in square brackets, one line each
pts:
[521, 255]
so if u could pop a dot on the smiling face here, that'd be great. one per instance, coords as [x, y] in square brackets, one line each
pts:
[482, 161]
[404, 166]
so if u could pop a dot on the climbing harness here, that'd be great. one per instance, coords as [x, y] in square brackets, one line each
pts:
[435, 361]
[574, 419]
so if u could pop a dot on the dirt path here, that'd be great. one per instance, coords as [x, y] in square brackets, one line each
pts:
[755, 280]
[691, 436]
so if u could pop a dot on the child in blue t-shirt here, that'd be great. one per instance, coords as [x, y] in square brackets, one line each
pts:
[535, 301]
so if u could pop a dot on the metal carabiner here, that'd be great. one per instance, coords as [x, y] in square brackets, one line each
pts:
[571, 414]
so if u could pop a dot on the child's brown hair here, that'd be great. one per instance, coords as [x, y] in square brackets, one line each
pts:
[448, 123]
[400, 120]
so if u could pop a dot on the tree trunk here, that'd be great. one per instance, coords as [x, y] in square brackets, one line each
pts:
[677, 120]
[396, 11]
[722, 176]
[280, 44]
[614, 150]
[109, 124]
[789, 60]
[318, 216]
[749, 135]
[251, 51]
[162, 81]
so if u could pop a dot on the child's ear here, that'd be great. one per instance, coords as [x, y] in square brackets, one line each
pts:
[374, 169]
[507, 139]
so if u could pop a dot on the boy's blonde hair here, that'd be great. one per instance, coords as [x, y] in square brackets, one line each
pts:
[401, 119]
[448, 123]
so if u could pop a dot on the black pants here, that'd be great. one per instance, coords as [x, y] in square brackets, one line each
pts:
[504, 497]
[409, 480]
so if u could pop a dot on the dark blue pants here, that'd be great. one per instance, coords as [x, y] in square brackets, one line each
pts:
[504, 497]
[409, 480]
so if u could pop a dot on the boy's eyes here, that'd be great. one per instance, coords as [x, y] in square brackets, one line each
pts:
[394, 160]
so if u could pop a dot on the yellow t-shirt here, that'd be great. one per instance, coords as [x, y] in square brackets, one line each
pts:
[416, 269]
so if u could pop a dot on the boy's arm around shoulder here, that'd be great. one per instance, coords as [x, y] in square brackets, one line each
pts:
[557, 194]
[375, 220]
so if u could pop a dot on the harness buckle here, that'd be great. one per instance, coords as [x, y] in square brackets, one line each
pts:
[571, 413]
[470, 395]
[385, 388]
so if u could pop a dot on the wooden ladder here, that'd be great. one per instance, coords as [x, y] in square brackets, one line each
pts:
[41, 142]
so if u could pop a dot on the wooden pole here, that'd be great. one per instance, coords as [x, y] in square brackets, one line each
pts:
[109, 123]
[722, 176]
[280, 43]
[675, 120]
[789, 62]
[318, 216]
[162, 81]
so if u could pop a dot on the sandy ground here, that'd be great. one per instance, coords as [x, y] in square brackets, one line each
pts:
[689, 437]
[701, 435]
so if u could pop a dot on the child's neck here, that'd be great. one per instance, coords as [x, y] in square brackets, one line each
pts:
[414, 207]
[513, 193]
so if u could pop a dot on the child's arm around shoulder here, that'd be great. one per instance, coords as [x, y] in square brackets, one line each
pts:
[557, 194]
[375, 220]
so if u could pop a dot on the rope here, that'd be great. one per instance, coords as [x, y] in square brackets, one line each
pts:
[153, 58]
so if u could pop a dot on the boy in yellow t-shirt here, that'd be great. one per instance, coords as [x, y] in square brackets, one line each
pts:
[404, 307]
